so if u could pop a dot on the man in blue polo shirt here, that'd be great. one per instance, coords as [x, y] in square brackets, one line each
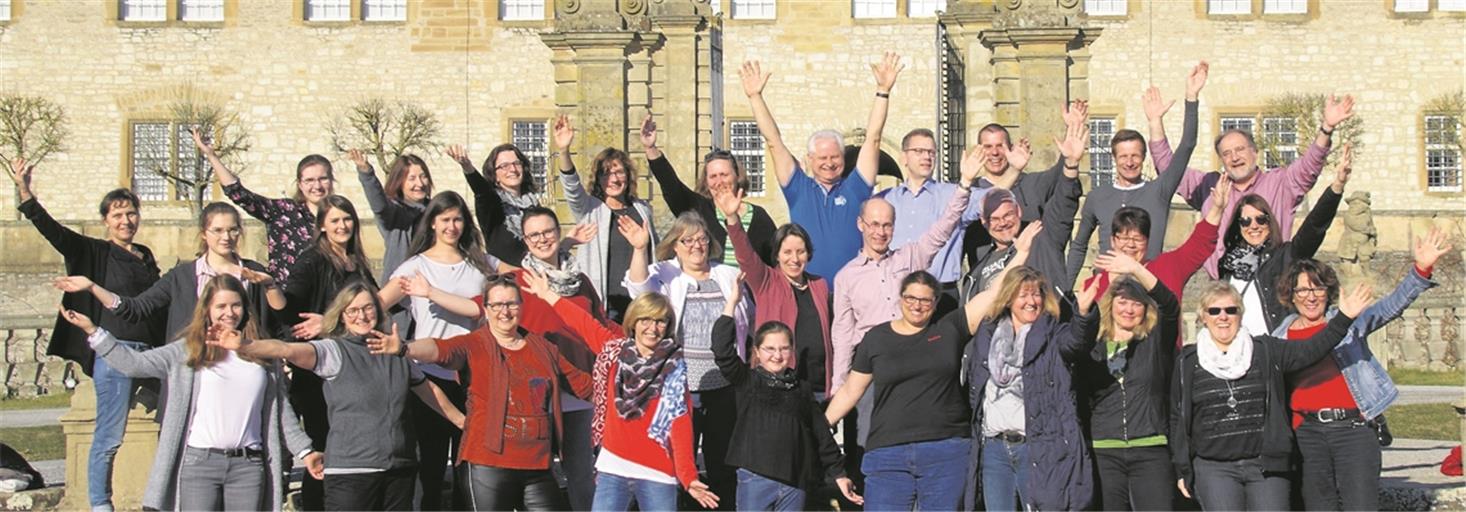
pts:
[920, 200]
[825, 203]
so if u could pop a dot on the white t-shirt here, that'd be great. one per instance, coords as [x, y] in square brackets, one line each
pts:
[226, 412]
[431, 320]
[1254, 319]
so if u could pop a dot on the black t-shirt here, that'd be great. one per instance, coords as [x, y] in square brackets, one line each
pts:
[916, 380]
[809, 341]
[1228, 416]
[618, 259]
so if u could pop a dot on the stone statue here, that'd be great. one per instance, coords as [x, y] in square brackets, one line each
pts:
[1358, 242]
[1449, 334]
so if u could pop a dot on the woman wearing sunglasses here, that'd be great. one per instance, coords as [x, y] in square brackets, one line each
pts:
[1256, 254]
[1231, 442]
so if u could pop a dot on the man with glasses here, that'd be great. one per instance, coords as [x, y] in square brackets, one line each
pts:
[921, 201]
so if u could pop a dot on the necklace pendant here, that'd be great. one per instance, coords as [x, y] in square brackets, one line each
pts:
[1232, 402]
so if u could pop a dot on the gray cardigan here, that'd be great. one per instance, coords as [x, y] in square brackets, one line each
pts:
[396, 221]
[592, 256]
[169, 362]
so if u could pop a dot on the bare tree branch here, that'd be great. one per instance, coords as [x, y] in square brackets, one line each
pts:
[31, 127]
[385, 130]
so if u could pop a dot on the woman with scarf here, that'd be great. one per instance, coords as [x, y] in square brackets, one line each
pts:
[1027, 447]
[697, 288]
[1338, 402]
[1125, 384]
[606, 256]
[500, 196]
[643, 424]
[1255, 254]
[226, 422]
[781, 445]
[514, 415]
[370, 455]
[1230, 439]
[917, 451]
[445, 268]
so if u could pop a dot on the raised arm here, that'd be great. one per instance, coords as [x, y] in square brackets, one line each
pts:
[226, 176]
[725, 334]
[885, 72]
[1294, 355]
[157, 296]
[1079, 248]
[756, 272]
[637, 274]
[423, 349]
[981, 304]
[149, 363]
[302, 355]
[1428, 250]
[754, 79]
[476, 181]
[1315, 227]
[63, 239]
[581, 203]
[921, 253]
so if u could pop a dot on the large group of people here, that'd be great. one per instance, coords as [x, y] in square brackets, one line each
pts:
[944, 328]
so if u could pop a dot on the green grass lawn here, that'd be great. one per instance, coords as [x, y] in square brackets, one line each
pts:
[1413, 377]
[1437, 422]
[36, 443]
[51, 401]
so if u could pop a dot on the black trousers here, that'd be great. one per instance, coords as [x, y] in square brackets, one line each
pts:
[308, 400]
[437, 443]
[491, 488]
[1135, 478]
[712, 431]
[1341, 465]
[382, 490]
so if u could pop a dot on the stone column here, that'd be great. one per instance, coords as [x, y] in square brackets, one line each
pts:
[134, 458]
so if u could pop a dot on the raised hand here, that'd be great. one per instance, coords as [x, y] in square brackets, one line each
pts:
[1337, 111]
[582, 234]
[1075, 143]
[847, 488]
[226, 338]
[564, 132]
[198, 141]
[648, 131]
[1430, 248]
[1219, 195]
[417, 285]
[1356, 301]
[79, 320]
[702, 494]
[1019, 154]
[1085, 296]
[1025, 238]
[1195, 81]
[728, 202]
[20, 173]
[539, 285]
[381, 343]
[256, 278]
[737, 293]
[972, 165]
[635, 233]
[1155, 107]
[1076, 113]
[754, 78]
[459, 154]
[1116, 262]
[359, 158]
[309, 328]
[1344, 167]
[73, 284]
[886, 71]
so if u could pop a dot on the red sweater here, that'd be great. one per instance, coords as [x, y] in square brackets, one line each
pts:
[628, 439]
[775, 295]
[1174, 268]
[1317, 387]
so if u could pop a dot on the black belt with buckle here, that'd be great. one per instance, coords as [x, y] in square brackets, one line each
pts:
[1332, 415]
[235, 452]
[1009, 437]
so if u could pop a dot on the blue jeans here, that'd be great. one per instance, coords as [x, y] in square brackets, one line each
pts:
[758, 493]
[1004, 469]
[114, 399]
[616, 493]
[926, 475]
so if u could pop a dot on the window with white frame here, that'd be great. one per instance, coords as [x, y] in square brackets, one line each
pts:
[924, 8]
[1229, 6]
[161, 149]
[1244, 123]
[521, 10]
[753, 9]
[1442, 153]
[143, 10]
[1101, 160]
[747, 146]
[1412, 5]
[201, 10]
[873, 8]
[529, 136]
[1105, 7]
[328, 10]
[384, 10]
[1451, 5]
[4, 10]
[1285, 6]
[1281, 135]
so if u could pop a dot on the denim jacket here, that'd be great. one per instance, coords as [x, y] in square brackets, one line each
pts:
[1371, 386]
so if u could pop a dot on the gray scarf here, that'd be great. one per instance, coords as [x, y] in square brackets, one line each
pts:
[514, 206]
[1005, 357]
[565, 280]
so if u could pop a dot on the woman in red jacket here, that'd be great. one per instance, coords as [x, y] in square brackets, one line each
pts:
[646, 442]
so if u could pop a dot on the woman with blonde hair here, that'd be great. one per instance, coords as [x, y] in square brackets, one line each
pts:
[1125, 385]
[226, 421]
[1231, 439]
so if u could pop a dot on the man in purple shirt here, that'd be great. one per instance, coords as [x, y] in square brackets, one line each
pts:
[1283, 187]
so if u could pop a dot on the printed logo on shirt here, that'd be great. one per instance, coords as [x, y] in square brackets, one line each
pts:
[840, 201]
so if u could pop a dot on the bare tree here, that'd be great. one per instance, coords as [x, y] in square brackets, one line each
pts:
[385, 129]
[193, 177]
[31, 127]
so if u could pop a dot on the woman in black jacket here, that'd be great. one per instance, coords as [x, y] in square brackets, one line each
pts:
[1256, 255]
[1127, 383]
[721, 171]
[781, 443]
[1230, 436]
[500, 195]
